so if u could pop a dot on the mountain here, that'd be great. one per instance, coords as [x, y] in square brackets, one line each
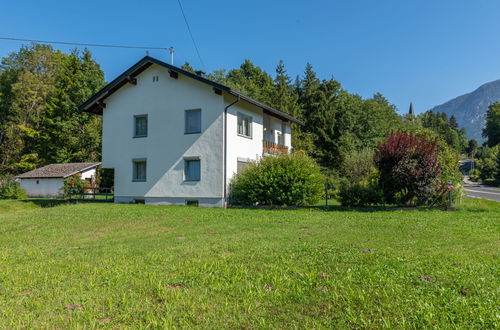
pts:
[470, 109]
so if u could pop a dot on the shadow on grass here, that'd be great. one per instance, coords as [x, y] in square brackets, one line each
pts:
[46, 202]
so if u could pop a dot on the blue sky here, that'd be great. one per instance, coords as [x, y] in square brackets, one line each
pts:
[425, 51]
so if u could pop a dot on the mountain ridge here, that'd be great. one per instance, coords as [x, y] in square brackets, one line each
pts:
[470, 109]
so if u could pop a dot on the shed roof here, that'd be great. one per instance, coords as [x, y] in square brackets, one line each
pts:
[57, 170]
[94, 104]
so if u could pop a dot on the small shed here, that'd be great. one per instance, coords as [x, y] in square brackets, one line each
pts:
[48, 181]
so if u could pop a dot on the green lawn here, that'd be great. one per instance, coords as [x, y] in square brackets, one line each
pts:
[118, 266]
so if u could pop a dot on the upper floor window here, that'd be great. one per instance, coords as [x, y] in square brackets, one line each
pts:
[139, 170]
[141, 126]
[192, 121]
[244, 125]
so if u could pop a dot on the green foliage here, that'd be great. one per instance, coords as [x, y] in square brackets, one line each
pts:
[292, 180]
[487, 164]
[491, 130]
[105, 177]
[358, 165]
[10, 189]
[446, 129]
[360, 194]
[40, 89]
[74, 185]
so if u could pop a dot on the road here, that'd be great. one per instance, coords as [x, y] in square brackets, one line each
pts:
[480, 191]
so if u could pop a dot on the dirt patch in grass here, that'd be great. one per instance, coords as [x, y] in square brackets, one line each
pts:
[188, 220]
[457, 265]
[72, 307]
[181, 237]
[25, 293]
[175, 287]
[322, 275]
[427, 278]
[32, 228]
[465, 292]
[95, 235]
[230, 227]
[210, 232]
[367, 251]
[268, 287]
[304, 229]
[105, 319]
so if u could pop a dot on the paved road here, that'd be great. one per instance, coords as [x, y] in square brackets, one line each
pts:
[485, 192]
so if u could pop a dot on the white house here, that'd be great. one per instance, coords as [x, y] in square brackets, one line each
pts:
[175, 137]
[48, 181]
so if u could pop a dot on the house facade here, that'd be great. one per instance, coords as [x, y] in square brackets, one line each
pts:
[48, 181]
[174, 137]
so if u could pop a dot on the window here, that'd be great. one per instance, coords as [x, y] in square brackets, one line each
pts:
[192, 170]
[139, 172]
[244, 125]
[192, 121]
[141, 126]
[192, 203]
[240, 166]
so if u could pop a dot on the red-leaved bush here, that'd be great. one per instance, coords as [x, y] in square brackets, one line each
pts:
[408, 168]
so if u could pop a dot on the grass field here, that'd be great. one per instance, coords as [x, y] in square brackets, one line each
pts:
[119, 266]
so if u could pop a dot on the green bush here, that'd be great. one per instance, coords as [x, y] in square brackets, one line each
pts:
[291, 180]
[360, 194]
[358, 165]
[74, 185]
[10, 189]
[475, 174]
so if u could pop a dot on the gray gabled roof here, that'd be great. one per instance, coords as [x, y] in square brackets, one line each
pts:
[94, 104]
[57, 170]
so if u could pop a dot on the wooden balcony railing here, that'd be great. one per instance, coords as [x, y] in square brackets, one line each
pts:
[274, 149]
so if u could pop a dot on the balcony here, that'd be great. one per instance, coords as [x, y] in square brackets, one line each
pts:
[274, 149]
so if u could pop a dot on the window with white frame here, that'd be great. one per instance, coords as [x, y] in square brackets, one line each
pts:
[140, 126]
[192, 169]
[139, 170]
[192, 120]
[244, 125]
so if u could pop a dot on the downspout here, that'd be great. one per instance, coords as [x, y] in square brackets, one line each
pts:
[225, 149]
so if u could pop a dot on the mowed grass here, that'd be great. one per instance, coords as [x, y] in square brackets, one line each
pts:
[120, 266]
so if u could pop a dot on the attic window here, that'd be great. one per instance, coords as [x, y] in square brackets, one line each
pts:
[155, 78]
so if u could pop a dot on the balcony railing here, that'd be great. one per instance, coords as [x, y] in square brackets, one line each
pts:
[274, 149]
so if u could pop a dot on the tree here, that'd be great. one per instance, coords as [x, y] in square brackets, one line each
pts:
[491, 130]
[40, 91]
[472, 148]
[408, 168]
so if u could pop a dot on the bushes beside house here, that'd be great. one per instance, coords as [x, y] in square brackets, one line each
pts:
[409, 170]
[287, 180]
[74, 184]
[10, 189]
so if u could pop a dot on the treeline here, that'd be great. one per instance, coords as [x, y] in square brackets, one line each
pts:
[41, 88]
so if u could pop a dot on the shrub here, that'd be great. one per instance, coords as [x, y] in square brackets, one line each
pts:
[293, 179]
[74, 185]
[10, 189]
[360, 194]
[358, 165]
[408, 168]
[448, 194]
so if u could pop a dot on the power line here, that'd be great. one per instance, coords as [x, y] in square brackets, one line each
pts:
[191, 34]
[83, 44]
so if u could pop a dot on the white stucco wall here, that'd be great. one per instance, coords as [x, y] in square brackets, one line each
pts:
[49, 188]
[88, 174]
[166, 145]
[243, 148]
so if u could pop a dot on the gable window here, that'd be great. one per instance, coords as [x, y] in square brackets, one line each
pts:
[244, 125]
[140, 126]
[192, 169]
[139, 170]
[192, 120]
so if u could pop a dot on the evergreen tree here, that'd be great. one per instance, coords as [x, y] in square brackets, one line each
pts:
[491, 130]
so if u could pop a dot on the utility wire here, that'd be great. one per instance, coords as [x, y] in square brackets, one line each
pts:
[191, 34]
[82, 44]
